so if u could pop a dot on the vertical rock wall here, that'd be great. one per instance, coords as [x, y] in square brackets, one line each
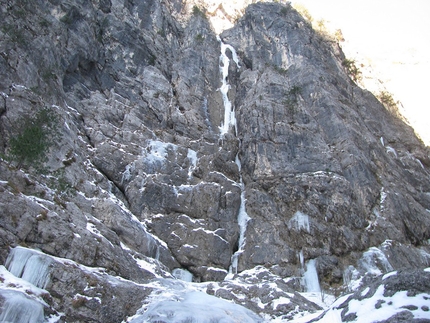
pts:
[139, 179]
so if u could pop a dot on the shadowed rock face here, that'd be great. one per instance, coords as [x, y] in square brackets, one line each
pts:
[138, 173]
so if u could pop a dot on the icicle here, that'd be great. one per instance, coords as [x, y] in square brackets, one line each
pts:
[299, 221]
[157, 253]
[17, 259]
[302, 259]
[37, 270]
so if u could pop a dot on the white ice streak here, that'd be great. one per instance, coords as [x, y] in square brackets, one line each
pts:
[302, 259]
[156, 151]
[383, 196]
[229, 113]
[192, 156]
[126, 175]
[23, 301]
[373, 260]
[391, 150]
[299, 221]
[242, 219]
[11, 282]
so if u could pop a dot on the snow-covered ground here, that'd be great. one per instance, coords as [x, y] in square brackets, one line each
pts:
[181, 300]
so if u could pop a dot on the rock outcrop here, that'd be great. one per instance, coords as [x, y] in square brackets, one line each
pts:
[327, 169]
[144, 170]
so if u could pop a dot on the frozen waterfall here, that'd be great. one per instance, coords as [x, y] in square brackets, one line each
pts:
[18, 308]
[229, 116]
[30, 265]
[230, 122]
[310, 278]
[242, 219]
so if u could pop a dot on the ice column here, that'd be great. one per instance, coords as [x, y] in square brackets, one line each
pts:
[311, 278]
[229, 116]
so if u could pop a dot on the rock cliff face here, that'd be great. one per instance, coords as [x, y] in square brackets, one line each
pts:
[250, 160]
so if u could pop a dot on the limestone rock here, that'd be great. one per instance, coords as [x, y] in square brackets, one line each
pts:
[139, 177]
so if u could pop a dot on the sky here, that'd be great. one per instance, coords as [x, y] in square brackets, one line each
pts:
[391, 36]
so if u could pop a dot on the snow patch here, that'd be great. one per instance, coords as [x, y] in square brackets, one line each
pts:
[280, 301]
[388, 306]
[365, 291]
[156, 151]
[80, 296]
[147, 265]
[393, 273]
